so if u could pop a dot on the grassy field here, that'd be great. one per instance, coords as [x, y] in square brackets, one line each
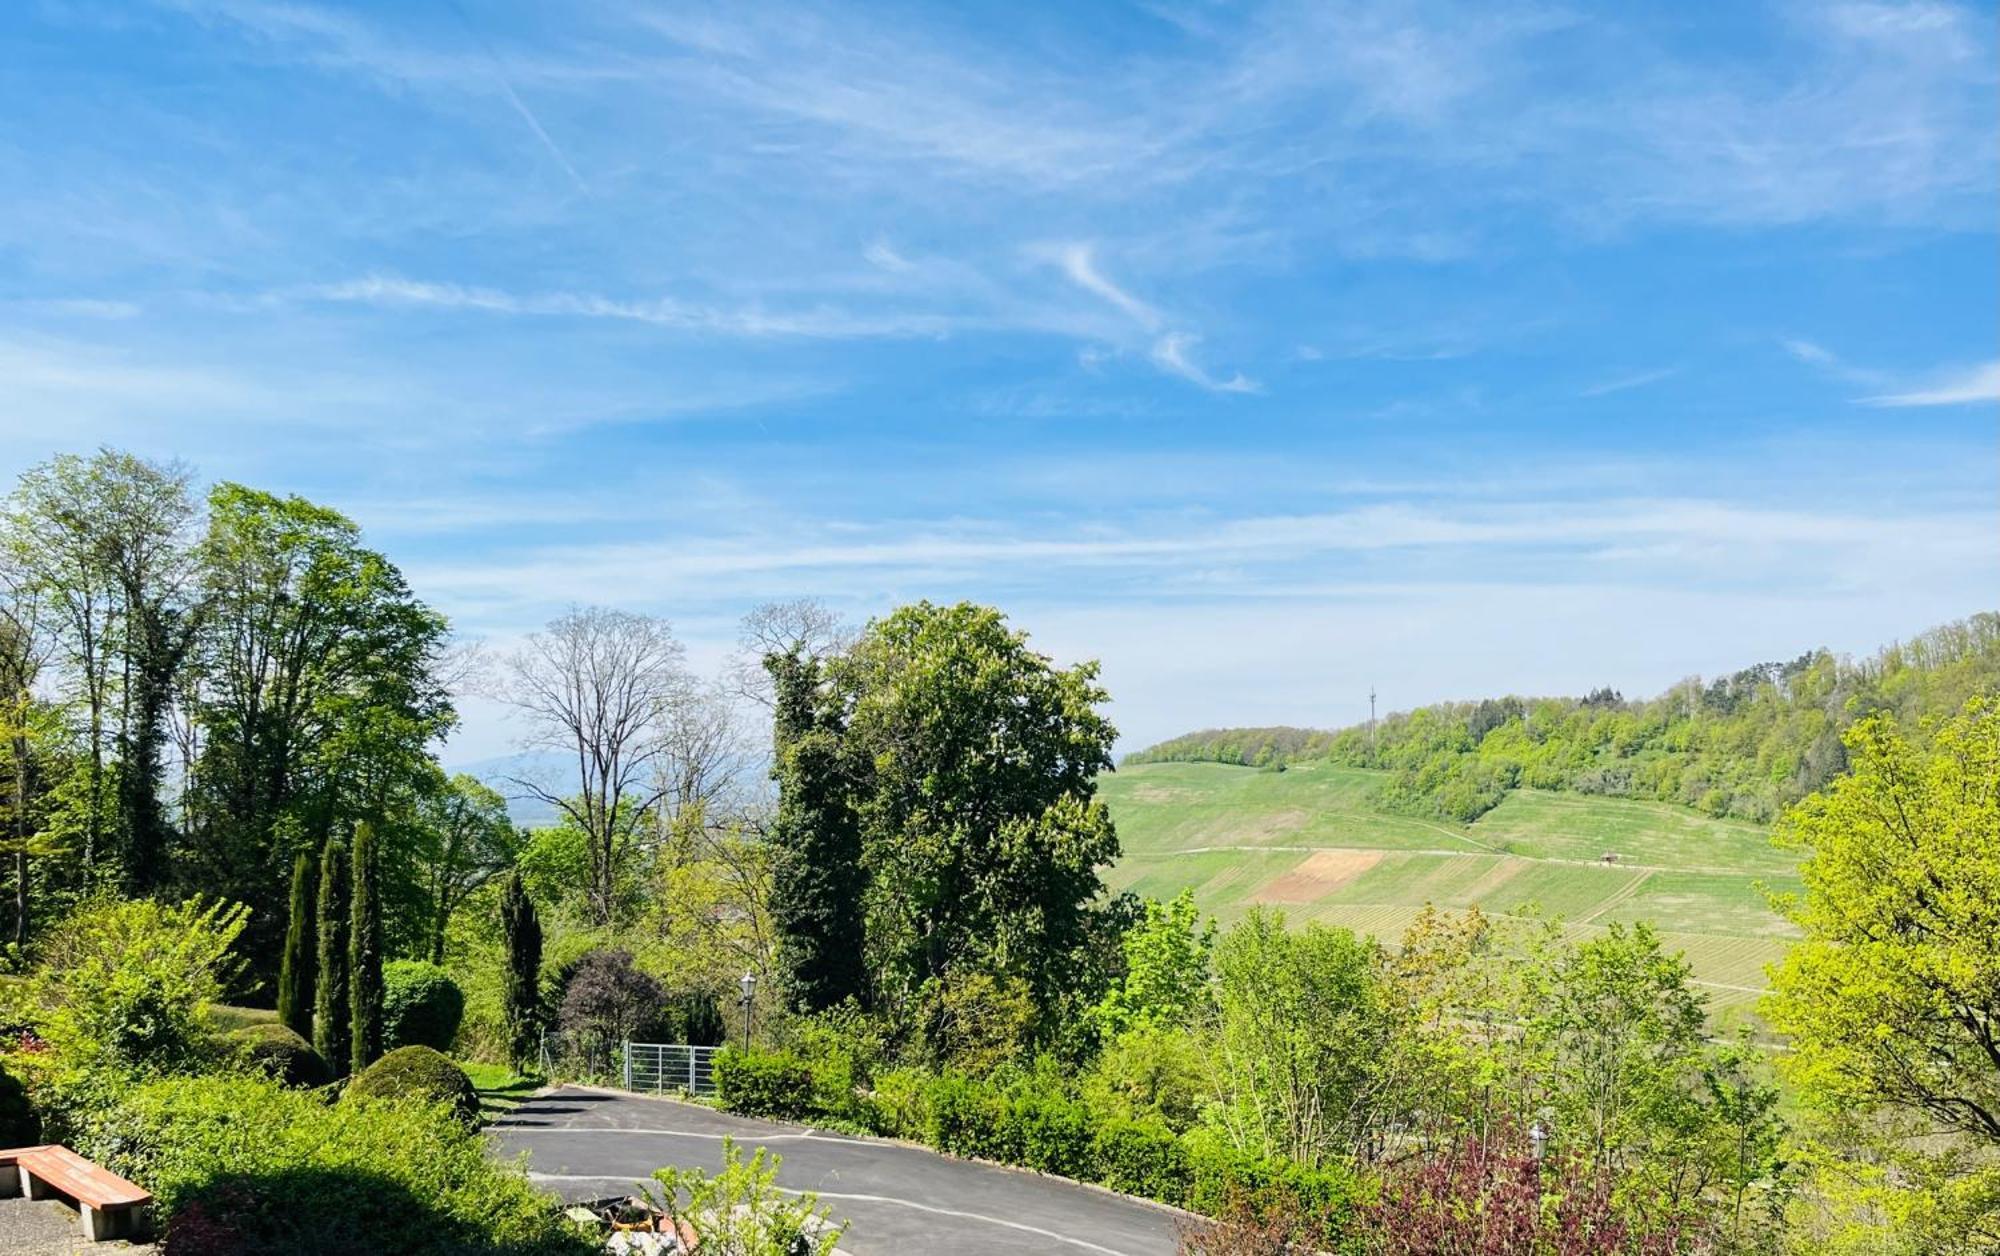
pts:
[1310, 842]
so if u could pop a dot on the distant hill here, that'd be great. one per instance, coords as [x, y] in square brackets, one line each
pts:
[1744, 745]
[1314, 843]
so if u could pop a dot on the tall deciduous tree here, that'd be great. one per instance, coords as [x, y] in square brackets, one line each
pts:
[594, 686]
[982, 831]
[322, 694]
[331, 1026]
[463, 839]
[522, 997]
[295, 974]
[818, 884]
[110, 541]
[364, 950]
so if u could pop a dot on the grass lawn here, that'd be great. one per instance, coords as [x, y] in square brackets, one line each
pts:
[500, 1088]
[1310, 842]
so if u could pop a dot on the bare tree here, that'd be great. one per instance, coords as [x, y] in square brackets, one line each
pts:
[701, 766]
[596, 685]
[807, 627]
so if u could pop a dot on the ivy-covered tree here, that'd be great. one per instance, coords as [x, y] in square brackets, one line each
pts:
[521, 999]
[295, 972]
[818, 884]
[331, 1026]
[975, 762]
[364, 950]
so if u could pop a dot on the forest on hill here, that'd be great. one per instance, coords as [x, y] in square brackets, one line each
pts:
[1746, 745]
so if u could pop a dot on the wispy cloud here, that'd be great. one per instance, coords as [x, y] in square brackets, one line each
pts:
[1169, 348]
[1626, 383]
[822, 322]
[1971, 386]
[1170, 353]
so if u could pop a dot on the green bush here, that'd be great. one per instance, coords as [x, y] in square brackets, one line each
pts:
[421, 1006]
[126, 986]
[19, 1125]
[1140, 1157]
[970, 1118]
[764, 1083]
[1225, 1181]
[421, 1074]
[279, 1053]
[899, 1104]
[1052, 1132]
[240, 1164]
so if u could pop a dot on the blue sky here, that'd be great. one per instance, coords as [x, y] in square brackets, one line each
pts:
[1266, 352]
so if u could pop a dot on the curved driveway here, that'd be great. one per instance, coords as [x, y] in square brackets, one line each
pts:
[899, 1200]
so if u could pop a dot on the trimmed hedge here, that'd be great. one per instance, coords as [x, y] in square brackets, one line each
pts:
[239, 1164]
[1035, 1125]
[279, 1053]
[421, 1074]
[421, 1006]
[764, 1083]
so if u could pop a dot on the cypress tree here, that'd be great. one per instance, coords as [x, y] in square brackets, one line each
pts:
[523, 933]
[817, 881]
[295, 975]
[330, 1021]
[364, 952]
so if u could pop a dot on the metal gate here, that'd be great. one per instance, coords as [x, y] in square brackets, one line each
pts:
[657, 1067]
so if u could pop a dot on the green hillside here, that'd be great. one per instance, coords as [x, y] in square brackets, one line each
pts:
[1313, 842]
[1745, 745]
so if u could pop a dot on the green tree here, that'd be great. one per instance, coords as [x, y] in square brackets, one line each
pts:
[364, 950]
[1301, 1022]
[1167, 955]
[321, 695]
[522, 997]
[1892, 999]
[295, 974]
[331, 1025]
[981, 829]
[463, 839]
[818, 886]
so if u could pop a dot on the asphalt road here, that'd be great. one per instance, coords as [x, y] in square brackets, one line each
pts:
[899, 1200]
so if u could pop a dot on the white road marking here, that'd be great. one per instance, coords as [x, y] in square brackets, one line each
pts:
[1022, 1226]
[539, 1130]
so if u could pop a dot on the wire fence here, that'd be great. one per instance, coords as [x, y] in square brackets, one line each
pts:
[658, 1067]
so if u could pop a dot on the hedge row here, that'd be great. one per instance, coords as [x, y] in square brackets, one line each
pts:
[1044, 1129]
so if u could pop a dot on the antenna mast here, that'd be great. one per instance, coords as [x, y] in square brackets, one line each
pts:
[1371, 723]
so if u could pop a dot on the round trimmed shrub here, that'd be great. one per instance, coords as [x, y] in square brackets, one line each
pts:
[418, 1073]
[421, 1005]
[278, 1052]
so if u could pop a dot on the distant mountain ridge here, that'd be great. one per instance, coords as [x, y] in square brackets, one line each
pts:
[1746, 745]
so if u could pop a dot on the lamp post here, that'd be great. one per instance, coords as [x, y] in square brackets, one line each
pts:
[1539, 1139]
[749, 987]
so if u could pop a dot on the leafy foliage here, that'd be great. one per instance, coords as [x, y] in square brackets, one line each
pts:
[124, 986]
[607, 998]
[239, 1164]
[421, 1005]
[420, 1074]
[764, 1083]
[741, 1212]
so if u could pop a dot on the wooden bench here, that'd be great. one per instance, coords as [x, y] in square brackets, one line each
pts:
[110, 1207]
